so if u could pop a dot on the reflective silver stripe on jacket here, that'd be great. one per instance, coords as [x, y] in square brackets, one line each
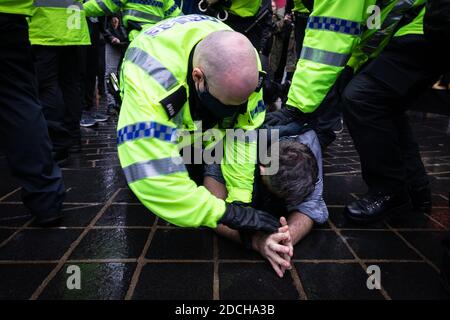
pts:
[153, 168]
[151, 66]
[143, 15]
[324, 57]
[388, 26]
[56, 3]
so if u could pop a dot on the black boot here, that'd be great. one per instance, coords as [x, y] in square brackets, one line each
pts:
[421, 199]
[373, 207]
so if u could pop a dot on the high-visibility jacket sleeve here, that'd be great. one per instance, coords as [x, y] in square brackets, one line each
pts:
[415, 26]
[151, 161]
[245, 8]
[171, 9]
[238, 168]
[240, 152]
[96, 8]
[300, 7]
[375, 40]
[333, 31]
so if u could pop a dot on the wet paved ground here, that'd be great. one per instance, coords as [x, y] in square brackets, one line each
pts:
[125, 252]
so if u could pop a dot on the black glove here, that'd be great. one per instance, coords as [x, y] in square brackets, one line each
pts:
[246, 218]
[284, 116]
[290, 129]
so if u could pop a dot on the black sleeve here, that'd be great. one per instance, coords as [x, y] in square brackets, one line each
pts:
[289, 6]
[102, 21]
[108, 35]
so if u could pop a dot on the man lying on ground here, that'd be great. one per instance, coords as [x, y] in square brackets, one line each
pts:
[295, 192]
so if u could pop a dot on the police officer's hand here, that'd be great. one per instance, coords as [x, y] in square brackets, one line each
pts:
[245, 218]
[283, 116]
[276, 132]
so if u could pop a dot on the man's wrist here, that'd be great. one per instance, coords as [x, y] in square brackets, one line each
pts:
[247, 238]
[256, 239]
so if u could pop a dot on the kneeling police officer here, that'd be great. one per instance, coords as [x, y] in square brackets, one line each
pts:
[190, 68]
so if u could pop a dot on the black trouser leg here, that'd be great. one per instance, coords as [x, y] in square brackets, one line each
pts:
[90, 62]
[301, 20]
[326, 122]
[279, 73]
[22, 125]
[371, 121]
[372, 108]
[101, 69]
[415, 171]
[91, 65]
[48, 62]
[70, 83]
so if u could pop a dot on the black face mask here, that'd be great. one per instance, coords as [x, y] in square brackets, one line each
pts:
[216, 108]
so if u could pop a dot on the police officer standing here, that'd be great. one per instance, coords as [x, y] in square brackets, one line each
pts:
[58, 29]
[23, 128]
[374, 107]
[393, 61]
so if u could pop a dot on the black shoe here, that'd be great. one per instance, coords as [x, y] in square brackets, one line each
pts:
[421, 199]
[373, 207]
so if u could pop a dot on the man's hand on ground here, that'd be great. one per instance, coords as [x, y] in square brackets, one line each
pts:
[271, 247]
[288, 243]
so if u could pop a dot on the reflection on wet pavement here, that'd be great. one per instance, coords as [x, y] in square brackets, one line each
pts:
[125, 252]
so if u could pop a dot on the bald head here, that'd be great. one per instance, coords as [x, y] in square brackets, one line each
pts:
[229, 62]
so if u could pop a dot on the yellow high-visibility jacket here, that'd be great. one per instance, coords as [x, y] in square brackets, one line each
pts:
[155, 68]
[23, 7]
[58, 23]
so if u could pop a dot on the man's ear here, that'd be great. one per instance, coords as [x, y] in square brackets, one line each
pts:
[197, 75]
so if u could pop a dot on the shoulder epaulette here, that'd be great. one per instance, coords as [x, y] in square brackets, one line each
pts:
[174, 103]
